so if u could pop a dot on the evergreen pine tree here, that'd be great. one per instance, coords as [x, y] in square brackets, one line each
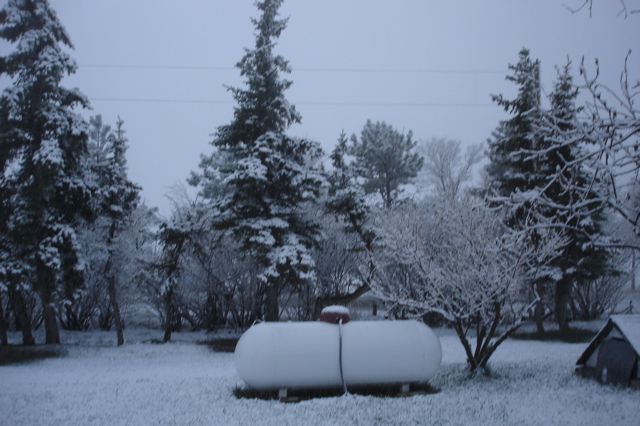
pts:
[115, 199]
[173, 237]
[346, 200]
[385, 159]
[508, 170]
[526, 173]
[42, 143]
[268, 174]
[580, 260]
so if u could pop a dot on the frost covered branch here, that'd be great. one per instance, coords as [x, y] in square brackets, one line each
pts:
[607, 135]
[454, 257]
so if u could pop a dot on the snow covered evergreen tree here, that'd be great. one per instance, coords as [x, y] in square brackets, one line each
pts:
[268, 174]
[385, 158]
[43, 140]
[509, 170]
[346, 200]
[580, 261]
[173, 237]
[115, 199]
[606, 133]
[526, 175]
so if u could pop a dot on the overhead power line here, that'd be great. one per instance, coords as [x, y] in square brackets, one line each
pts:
[161, 101]
[302, 103]
[158, 67]
[318, 70]
[323, 104]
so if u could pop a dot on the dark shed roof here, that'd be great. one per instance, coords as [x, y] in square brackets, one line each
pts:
[627, 325]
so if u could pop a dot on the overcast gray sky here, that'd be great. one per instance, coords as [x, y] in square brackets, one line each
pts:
[428, 66]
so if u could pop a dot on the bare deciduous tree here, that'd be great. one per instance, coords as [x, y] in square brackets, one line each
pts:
[625, 10]
[339, 261]
[446, 166]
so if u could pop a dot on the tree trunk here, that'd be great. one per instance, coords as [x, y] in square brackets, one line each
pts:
[117, 319]
[168, 322]
[487, 349]
[539, 317]
[495, 342]
[273, 310]
[633, 269]
[167, 333]
[23, 319]
[563, 292]
[459, 328]
[111, 288]
[52, 334]
[323, 302]
[538, 312]
[4, 340]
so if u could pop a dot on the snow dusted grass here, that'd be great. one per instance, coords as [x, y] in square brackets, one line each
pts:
[187, 383]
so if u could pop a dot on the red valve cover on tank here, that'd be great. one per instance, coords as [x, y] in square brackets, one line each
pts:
[335, 313]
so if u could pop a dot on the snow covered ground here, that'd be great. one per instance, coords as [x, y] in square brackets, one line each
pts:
[185, 383]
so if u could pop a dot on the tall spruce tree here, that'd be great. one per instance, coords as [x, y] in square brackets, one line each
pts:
[115, 199]
[524, 172]
[268, 174]
[346, 201]
[580, 261]
[508, 170]
[42, 143]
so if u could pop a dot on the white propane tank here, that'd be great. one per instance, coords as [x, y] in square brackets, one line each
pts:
[303, 355]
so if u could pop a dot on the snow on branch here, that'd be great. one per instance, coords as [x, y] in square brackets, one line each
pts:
[455, 257]
[604, 142]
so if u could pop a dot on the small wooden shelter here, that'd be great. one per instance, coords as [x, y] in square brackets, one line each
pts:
[613, 356]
